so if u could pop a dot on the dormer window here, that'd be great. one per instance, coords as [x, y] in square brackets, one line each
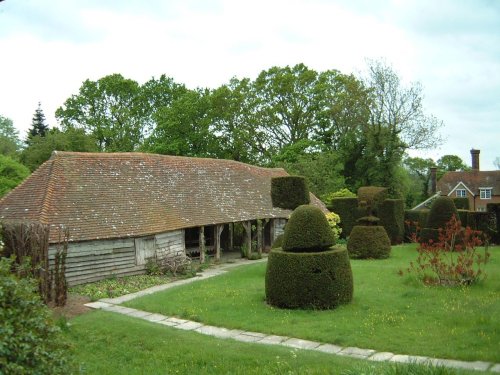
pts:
[460, 193]
[485, 193]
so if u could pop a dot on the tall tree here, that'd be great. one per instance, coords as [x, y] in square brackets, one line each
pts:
[110, 110]
[450, 163]
[10, 144]
[39, 126]
[420, 168]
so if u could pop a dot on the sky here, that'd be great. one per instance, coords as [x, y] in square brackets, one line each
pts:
[451, 47]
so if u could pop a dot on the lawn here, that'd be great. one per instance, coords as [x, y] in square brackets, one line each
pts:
[389, 312]
[110, 343]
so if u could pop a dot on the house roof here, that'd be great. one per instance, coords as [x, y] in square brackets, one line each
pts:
[472, 180]
[113, 195]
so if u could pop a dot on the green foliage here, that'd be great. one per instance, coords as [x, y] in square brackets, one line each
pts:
[12, 174]
[342, 193]
[482, 221]
[289, 192]
[10, 144]
[450, 163]
[494, 208]
[30, 342]
[441, 211]
[334, 221]
[38, 125]
[40, 148]
[369, 242]
[463, 216]
[346, 208]
[307, 230]
[391, 214]
[309, 280]
[414, 221]
[461, 203]
[373, 196]
[278, 242]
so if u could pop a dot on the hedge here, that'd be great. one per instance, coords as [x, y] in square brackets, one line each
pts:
[392, 214]
[463, 215]
[289, 192]
[373, 196]
[494, 208]
[412, 219]
[309, 280]
[482, 221]
[307, 230]
[347, 209]
[461, 203]
[441, 212]
[369, 242]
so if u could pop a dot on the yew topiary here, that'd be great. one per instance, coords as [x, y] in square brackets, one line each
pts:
[369, 242]
[441, 212]
[307, 230]
[289, 192]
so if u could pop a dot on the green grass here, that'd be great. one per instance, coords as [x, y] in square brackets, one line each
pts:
[388, 313]
[109, 343]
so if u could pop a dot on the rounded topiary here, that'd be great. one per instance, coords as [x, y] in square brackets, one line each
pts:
[307, 230]
[289, 192]
[309, 280]
[369, 242]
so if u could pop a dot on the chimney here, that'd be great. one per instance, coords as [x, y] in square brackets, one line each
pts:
[475, 159]
[433, 180]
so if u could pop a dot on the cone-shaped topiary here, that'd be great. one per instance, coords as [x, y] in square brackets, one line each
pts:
[307, 230]
[441, 212]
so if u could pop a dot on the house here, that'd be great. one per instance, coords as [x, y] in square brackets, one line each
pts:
[480, 187]
[124, 208]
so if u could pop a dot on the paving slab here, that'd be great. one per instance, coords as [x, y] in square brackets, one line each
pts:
[402, 358]
[329, 348]
[476, 365]
[188, 326]
[167, 322]
[244, 337]
[381, 356]
[273, 339]
[155, 317]
[495, 368]
[98, 304]
[352, 351]
[120, 309]
[301, 344]
[177, 320]
[139, 314]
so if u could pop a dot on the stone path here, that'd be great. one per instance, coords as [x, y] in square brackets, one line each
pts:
[112, 304]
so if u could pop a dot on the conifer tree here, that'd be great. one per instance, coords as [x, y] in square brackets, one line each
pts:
[38, 124]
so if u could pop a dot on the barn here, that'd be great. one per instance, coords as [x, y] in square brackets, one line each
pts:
[125, 208]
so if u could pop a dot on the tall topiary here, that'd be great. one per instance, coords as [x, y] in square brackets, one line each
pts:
[372, 196]
[289, 192]
[391, 214]
[308, 272]
[440, 213]
[346, 208]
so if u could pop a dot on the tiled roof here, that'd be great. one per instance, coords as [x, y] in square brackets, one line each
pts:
[100, 195]
[473, 180]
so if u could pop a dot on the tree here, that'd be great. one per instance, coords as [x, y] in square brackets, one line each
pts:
[10, 144]
[109, 109]
[450, 163]
[38, 124]
[419, 168]
[12, 173]
[41, 148]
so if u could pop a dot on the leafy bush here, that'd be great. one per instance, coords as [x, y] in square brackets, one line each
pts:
[391, 214]
[342, 193]
[494, 208]
[369, 242]
[442, 210]
[452, 260]
[289, 192]
[334, 221]
[461, 203]
[307, 230]
[309, 280]
[346, 208]
[30, 342]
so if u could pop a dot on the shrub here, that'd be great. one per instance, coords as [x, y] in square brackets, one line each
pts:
[289, 192]
[494, 208]
[346, 208]
[334, 221]
[307, 230]
[454, 259]
[278, 242]
[461, 203]
[482, 221]
[368, 242]
[463, 216]
[391, 214]
[442, 210]
[30, 342]
[373, 196]
[342, 193]
[414, 221]
[309, 280]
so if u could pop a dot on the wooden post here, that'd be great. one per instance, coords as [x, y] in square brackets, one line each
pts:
[248, 229]
[231, 236]
[218, 230]
[202, 244]
[259, 237]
